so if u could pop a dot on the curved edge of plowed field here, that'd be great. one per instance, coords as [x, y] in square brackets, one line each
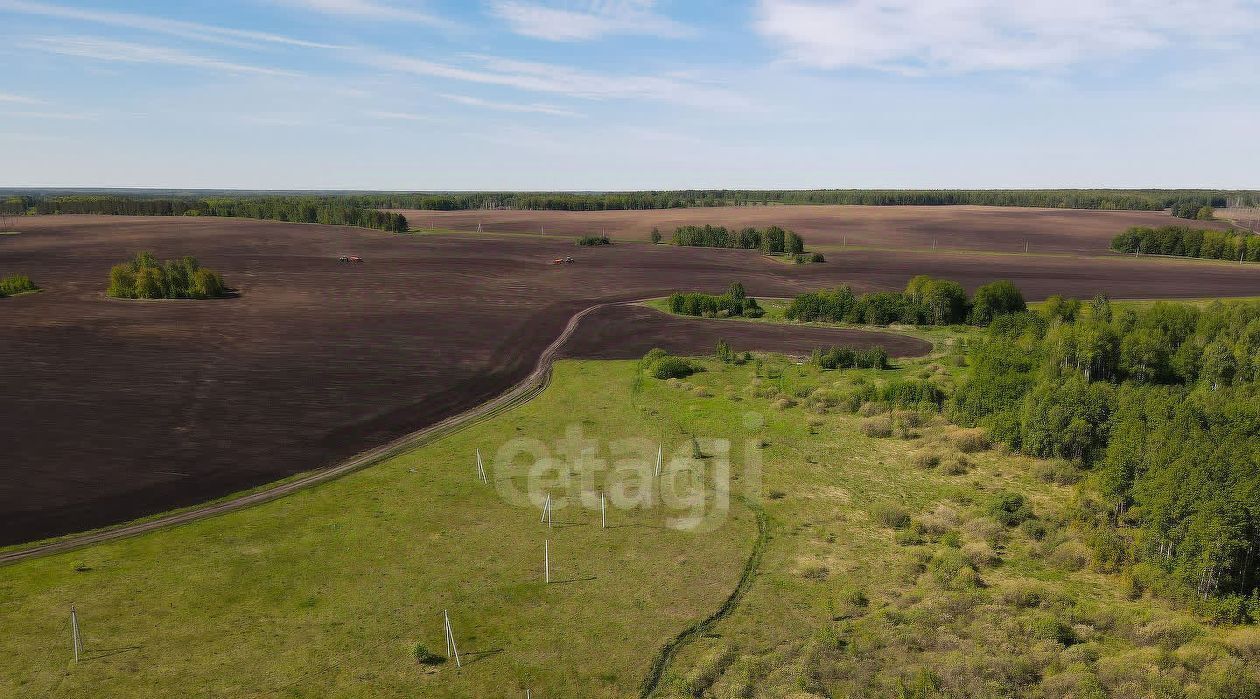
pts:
[523, 391]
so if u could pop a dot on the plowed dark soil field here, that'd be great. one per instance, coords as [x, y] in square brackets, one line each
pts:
[113, 410]
[988, 228]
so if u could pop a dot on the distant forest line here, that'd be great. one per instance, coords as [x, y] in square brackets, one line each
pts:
[334, 211]
[1181, 201]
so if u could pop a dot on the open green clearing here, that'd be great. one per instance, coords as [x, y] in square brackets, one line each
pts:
[326, 592]
[885, 573]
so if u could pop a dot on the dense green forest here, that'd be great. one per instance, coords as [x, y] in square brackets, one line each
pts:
[773, 240]
[146, 278]
[304, 209]
[735, 302]
[16, 284]
[1184, 241]
[1200, 208]
[926, 301]
[1163, 406]
[1148, 200]
[1159, 405]
[1187, 203]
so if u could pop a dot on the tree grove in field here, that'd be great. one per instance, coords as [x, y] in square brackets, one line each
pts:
[1183, 241]
[926, 301]
[735, 302]
[850, 358]
[146, 278]
[772, 240]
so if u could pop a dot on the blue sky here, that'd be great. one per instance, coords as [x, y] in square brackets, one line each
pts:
[630, 94]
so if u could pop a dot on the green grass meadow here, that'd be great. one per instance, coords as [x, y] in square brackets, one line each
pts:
[326, 592]
[883, 574]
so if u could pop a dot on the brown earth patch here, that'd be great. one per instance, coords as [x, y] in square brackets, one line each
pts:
[114, 410]
[989, 228]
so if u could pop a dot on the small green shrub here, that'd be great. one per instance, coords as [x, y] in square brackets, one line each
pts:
[854, 597]
[926, 460]
[909, 418]
[424, 656]
[909, 536]
[590, 241]
[952, 570]
[892, 516]
[653, 355]
[16, 284]
[1057, 471]
[1034, 528]
[1050, 628]
[1011, 509]
[970, 441]
[958, 466]
[877, 427]
[872, 408]
[673, 368]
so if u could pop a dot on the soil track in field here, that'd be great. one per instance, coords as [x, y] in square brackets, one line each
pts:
[118, 409]
[989, 228]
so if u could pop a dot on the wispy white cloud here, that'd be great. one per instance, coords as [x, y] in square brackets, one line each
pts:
[18, 99]
[126, 52]
[371, 10]
[398, 116]
[588, 19]
[171, 27]
[958, 36]
[508, 106]
[24, 138]
[58, 116]
[561, 80]
[274, 120]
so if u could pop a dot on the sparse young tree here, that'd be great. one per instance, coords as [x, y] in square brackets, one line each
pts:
[793, 244]
[724, 352]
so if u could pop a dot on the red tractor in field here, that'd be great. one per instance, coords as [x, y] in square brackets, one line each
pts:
[562, 261]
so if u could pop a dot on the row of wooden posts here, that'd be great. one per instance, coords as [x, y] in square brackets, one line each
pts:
[452, 650]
